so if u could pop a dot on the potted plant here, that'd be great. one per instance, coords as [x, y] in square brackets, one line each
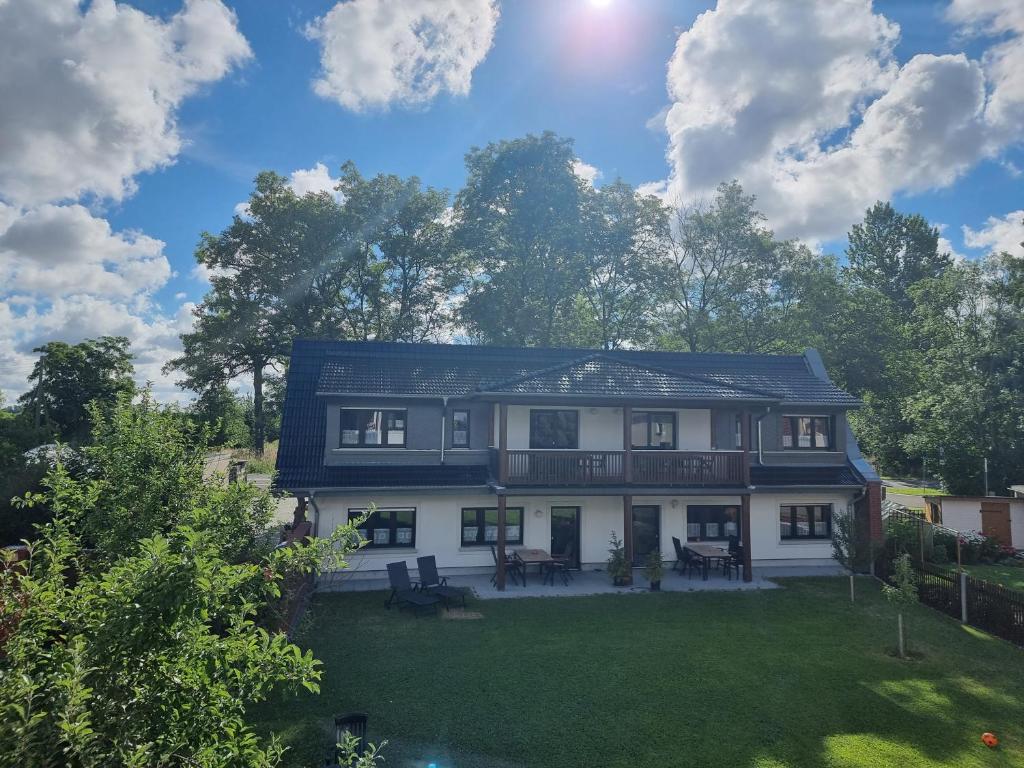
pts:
[654, 570]
[618, 568]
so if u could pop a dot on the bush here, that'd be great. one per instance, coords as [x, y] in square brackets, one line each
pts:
[940, 554]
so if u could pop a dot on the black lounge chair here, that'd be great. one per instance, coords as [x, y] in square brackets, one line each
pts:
[432, 584]
[353, 724]
[403, 593]
[681, 557]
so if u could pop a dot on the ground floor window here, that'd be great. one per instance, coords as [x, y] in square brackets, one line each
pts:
[712, 521]
[480, 525]
[805, 521]
[387, 527]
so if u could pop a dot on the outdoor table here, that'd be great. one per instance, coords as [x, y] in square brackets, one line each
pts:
[707, 553]
[537, 557]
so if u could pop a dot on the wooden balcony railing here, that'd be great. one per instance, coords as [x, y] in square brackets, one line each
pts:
[693, 468]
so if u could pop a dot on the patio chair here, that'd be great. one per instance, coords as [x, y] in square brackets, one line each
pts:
[513, 567]
[353, 724]
[734, 562]
[682, 558]
[691, 563]
[564, 561]
[432, 584]
[403, 591]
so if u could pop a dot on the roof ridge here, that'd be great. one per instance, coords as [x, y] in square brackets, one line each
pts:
[539, 372]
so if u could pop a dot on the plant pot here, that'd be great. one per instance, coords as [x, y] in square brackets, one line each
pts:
[656, 586]
[618, 581]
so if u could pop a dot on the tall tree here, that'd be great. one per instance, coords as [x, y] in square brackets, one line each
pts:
[890, 251]
[275, 273]
[518, 221]
[403, 268]
[68, 377]
[624, 240]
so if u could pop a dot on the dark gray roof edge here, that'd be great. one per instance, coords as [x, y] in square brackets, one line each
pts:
[860, 465]
[816, 364]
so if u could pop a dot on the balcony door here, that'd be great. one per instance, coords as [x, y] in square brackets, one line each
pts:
[565, 533]
[646, 532]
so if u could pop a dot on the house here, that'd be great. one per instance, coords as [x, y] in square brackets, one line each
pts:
[1001, 517]
[463, 448]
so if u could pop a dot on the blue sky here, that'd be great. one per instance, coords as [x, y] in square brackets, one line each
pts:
[872, 101]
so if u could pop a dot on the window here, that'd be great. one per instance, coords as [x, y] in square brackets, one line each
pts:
[370, 428]
[480, 525]
[460, 429]
[554, 429]
[710, 521]
[654, 430]
[807, 432]
[806, 521]
[387, 527]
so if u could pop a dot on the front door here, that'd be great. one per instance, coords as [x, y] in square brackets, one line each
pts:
[565, 534]
[646, 532]
[995, 520]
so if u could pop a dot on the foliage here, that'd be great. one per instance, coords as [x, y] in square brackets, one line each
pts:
[902, 591]
[143, 648]
[654, 568]
[222, 414]
[67, 378]
[619, 568]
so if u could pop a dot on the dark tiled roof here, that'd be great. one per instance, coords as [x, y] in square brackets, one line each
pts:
[452, 369]
[838, 475]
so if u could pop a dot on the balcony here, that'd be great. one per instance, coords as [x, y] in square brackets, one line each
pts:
[569, 468]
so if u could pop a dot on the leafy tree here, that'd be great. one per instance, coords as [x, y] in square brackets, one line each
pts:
[625, 236]
[403, 269]
[68, 377]
[148, 651]
[519, 224]
[890, 251]
[902, 592]
[224, 414]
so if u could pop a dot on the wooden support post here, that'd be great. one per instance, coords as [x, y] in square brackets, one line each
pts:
[748, 574]
[490, 428]
[627, 534]
[627, 444]
[745, 437]
[499, 582]
[503, 443]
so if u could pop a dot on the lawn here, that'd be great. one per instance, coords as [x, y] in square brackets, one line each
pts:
[1008, 575]
[789, 677]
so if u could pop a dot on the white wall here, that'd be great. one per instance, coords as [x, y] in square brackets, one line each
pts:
[965, 515]
[438, 526]
[601, 428]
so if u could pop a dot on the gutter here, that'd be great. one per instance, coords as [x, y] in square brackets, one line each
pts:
[316, 514]
[444, 416]
[760, 442]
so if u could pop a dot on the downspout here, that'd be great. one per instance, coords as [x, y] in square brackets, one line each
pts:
[760, 442]
[444, 416]
[316, 513]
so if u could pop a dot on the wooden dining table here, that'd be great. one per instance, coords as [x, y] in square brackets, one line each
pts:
[538, 557]
[707, 553]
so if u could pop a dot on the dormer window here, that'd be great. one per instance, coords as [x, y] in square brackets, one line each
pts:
[807, 432]
[373, 428]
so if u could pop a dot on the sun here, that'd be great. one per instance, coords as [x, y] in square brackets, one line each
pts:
[600, 3]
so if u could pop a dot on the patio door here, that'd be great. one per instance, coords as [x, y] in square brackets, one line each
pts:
[565, 533]
[646, 532]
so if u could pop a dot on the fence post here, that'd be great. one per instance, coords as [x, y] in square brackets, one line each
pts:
[963, 597]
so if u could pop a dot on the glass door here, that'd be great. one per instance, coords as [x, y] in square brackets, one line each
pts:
[646, 532]
[565, 534]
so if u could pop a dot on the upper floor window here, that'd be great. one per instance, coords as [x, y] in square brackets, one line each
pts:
[373, 428]
[654, 430]
[460, 429]
[811, 432]
[554, 429]
[805, 521]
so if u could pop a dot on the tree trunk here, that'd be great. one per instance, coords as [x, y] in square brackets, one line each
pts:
[899, 624]
[258, 426]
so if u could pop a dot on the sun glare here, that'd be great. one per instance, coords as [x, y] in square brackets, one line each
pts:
[600, 3]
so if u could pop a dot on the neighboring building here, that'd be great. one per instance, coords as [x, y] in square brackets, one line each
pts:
[568, 445]
[1001, 517]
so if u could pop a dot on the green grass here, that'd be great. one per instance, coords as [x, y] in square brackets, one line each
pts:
[789, 677]
[917, 491]
[1011, 576]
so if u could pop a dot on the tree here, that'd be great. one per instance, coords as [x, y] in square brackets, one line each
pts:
[718, 253]
[625, 237]
[149, 650]
[275, 274]
[223, 413]
[403, 267]
[68, 377]
[902, 592]
[518, 222]
[890, 251]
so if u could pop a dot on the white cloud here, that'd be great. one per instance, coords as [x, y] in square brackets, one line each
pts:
[375, 53]
[998, 234]
[589, 173]
[90, 93]
[315, 179]
[806, 105]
